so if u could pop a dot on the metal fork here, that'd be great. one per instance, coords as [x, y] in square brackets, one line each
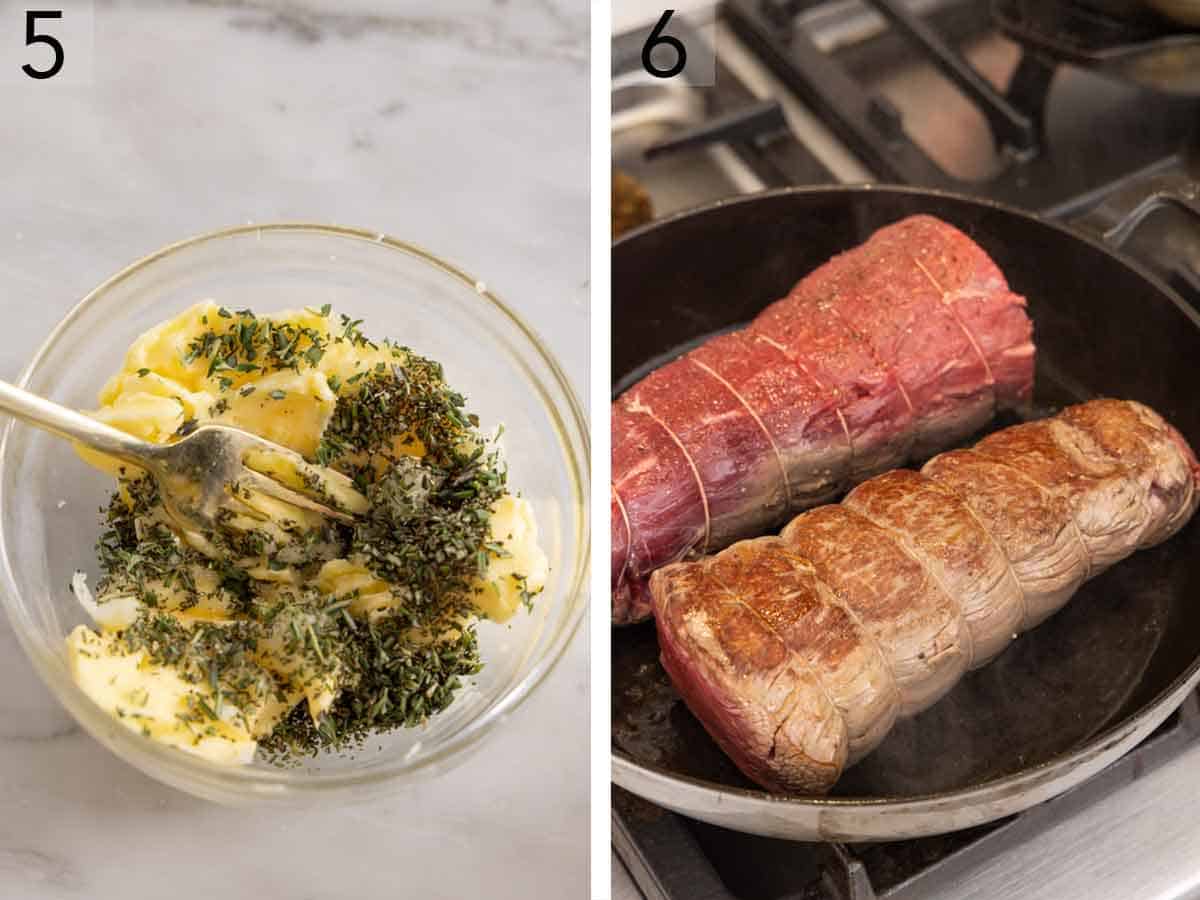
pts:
[204, 473]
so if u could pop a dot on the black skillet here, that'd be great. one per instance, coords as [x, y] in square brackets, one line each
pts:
[1062, 701]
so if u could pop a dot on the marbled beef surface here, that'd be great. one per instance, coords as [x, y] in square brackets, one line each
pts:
[875, 607]
[885, 353]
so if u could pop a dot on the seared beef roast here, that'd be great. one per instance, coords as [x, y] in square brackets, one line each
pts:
[799, 652]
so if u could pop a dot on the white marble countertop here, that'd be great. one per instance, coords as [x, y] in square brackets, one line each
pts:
[462, 127]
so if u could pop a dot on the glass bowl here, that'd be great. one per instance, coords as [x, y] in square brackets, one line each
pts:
[50, 499]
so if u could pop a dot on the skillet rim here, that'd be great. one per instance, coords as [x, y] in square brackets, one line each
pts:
[993, 788]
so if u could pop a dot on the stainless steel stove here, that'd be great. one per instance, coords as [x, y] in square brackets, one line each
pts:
[855, 91]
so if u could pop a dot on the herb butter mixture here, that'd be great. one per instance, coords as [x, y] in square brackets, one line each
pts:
[281, 631]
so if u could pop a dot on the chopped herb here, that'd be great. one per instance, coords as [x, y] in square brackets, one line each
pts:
[406, 439]
[250, 344]
[423, 532]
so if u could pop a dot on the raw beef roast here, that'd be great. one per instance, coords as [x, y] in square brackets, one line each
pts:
[799, 652]
[884, 354]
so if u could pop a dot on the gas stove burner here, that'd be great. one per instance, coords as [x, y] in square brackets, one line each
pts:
[908, 105]
[1043, 126]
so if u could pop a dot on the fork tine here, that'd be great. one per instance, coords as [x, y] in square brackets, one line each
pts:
[249, 478]
[338, 489]
[233, 501]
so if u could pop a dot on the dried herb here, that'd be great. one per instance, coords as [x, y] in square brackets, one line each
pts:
[426, 531]
[139, 553]
[409, 397]
[426, 535]
[396, 683]
[219, 656]
[249, 344]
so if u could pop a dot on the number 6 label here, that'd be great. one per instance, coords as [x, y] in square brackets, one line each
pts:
[675, 48]
[658, 39]
[46, 44]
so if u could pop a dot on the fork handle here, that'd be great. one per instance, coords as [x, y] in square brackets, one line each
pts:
[75, 426]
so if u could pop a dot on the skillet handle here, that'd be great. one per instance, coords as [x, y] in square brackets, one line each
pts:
[1186, 198]
[1116, 221]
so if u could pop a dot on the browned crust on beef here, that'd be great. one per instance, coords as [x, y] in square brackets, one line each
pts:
[940, 530]
[798, 652]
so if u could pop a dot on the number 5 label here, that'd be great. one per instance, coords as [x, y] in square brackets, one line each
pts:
[32, 37]
[46, 43]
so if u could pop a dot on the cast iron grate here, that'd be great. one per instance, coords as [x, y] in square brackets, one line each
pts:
[1047, 145]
